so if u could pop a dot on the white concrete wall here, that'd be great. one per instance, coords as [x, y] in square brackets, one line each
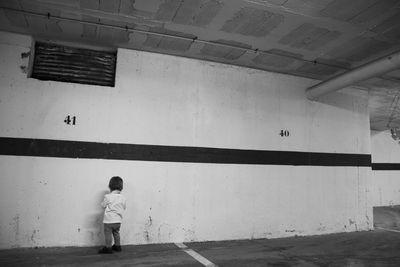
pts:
[166, 100]
[385, 183]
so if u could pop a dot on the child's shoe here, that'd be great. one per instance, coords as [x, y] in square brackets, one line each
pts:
[105, 250]
[116, 248]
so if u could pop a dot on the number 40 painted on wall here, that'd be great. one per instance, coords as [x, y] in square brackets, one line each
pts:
[284, 133]
[70, 121]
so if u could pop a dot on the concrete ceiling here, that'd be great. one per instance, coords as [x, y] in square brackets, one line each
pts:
[318, 39]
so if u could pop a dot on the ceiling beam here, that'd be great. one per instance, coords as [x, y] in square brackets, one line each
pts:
[369, 70]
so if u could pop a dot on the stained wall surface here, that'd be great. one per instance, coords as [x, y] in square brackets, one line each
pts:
[386, 171]
[179, 102]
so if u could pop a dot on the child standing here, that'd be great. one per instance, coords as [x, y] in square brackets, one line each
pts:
[114, 205]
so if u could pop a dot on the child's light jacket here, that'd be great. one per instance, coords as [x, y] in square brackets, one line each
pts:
[115, 205]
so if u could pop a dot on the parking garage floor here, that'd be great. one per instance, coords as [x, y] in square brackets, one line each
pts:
[380, 247]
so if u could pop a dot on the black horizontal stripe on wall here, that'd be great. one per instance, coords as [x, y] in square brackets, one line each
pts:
[93, 150]
[385, 166]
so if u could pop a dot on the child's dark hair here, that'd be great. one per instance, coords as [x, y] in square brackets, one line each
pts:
[116, 183]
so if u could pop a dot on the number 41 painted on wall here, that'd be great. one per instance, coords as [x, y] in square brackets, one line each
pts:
[70, 120]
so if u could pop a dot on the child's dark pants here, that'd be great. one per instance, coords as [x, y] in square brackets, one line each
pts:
[112, 229]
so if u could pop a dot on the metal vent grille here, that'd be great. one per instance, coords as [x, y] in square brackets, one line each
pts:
[76, 65]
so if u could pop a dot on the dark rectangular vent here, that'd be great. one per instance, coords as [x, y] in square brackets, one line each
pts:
[75, 65]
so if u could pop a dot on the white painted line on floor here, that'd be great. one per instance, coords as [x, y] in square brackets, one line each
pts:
[390, 230]
[181, 245]
[196, 255]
